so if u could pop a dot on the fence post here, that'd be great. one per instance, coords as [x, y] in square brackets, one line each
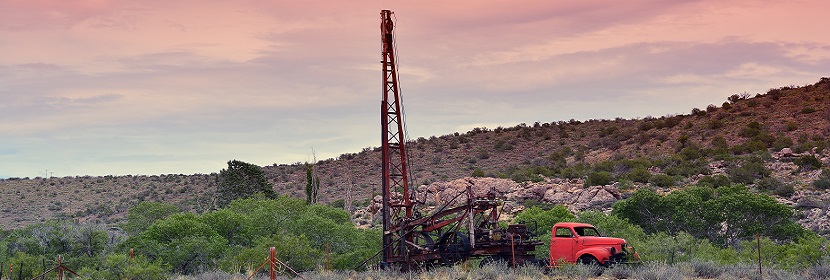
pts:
[272, 258]
[328, 257]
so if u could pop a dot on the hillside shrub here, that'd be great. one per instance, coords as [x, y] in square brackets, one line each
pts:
[715, 124]
[748, 170]
[775, 186]
[791, 126]
[823, 181]
[809, 145]
[599, 178]
[639, 174]
[782, 141]
[662, 180]
[714, 181]
[808, 163]
[478, 173]
[808, 110]
[752, 129]
[726, 106]
[750, 146]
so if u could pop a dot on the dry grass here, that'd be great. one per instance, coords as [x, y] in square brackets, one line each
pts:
[503, 271]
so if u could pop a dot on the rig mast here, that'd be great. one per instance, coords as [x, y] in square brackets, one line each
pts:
[397, 206]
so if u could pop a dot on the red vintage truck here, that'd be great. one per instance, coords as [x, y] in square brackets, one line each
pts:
[582, 243]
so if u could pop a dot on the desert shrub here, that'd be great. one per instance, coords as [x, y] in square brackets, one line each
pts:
[807, 163]
[681, 166]
[726, 106]
[714, 124]
[791, 126]
[662, 180]
[502, 145]
[645, 125]
[819, 271]
[775, 186]
[599, 178]
[690, 153]
[748, 170]
[639, 174]
[823, 181]
[750, 146]
[622, 272]
[751, 129]
[808, 110]
[658, 271]
[714, 181]
[734, 98]
[782, 141]
[706, 269]
[483, 154]
[808, 145]
[478, 173]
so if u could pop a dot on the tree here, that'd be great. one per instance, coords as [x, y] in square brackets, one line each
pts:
[724, 216]
[182, 240]
[241, 180]
[141, 216]
[544, 220]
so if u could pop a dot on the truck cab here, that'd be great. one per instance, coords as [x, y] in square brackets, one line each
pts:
[582, 243]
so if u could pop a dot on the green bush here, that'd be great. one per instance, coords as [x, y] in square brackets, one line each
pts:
[807, 163]
[808, 110]
[714, 181]
[599, 178]
[662, 180]
[639, 174]
[748, 170]
[775, 186]
[478, 172]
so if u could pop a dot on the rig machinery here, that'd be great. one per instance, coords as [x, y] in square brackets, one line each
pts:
[452, 233]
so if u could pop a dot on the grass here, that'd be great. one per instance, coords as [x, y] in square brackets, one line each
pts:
[501, 270]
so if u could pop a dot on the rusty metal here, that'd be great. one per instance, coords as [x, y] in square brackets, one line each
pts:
[272, 261]
[451, 234]
[60, 268]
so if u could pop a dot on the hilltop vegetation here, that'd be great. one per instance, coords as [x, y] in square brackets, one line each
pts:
[694, 189]
[732, 139]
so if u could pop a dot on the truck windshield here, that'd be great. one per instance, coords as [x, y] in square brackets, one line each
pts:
[586, 231]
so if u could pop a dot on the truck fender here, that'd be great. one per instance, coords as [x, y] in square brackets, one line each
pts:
[600, 253]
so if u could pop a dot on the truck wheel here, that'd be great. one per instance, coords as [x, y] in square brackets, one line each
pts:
[593, 263]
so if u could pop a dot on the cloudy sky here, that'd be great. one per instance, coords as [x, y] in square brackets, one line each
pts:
[98, 87]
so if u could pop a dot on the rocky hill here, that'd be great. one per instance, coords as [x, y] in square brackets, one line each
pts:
[775, 142]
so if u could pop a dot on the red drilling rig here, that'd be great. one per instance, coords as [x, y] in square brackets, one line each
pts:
[453, 232]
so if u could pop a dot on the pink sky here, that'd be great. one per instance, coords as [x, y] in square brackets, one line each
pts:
[148, 87]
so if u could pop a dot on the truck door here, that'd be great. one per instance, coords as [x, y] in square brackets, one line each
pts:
[562, 245]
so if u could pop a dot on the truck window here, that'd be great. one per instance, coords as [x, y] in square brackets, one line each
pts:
[563, 232]
[586, 231]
